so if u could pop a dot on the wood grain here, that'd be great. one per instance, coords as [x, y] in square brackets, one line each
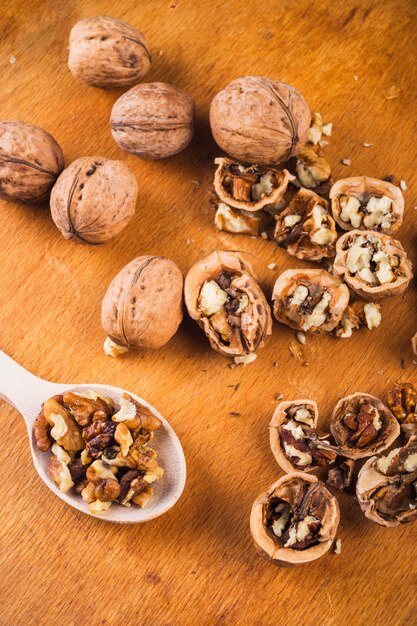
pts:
[196, 564]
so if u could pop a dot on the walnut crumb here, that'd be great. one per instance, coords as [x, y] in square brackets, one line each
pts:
[234, 414]
[346, 162]
[272, 266]
[403, 185]
[355, 77]
[391, 93]
[301, 337]
[264, 235]
[12, 59]
[278, 397]
[367, 145]
[338, 546]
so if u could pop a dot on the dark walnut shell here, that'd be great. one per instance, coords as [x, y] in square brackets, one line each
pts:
[142, 307]
[304, 501]
[362, 189]
[309, 300]
[362, 426]
[105, 52]
[153, 120]
[259, 120]
[94, 199]
[30, 162]
[222, 295]
[357, 250]
[387, 486]
[313, 236]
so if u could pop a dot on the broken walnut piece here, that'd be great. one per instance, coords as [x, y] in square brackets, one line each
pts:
[41, 431]
[357, 315]
[87, 406]
[402, 400]
[341, 473]
[312, 171]
[241, 222]
[64, 428]
[295, 521]
[58, 468]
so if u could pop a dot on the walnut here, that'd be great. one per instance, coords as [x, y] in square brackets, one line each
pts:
[340, 475]
[99, 436]
[135, 415]
[259, 120]
[142, 307]
[102, 486]
[222, 295]
[87, 406]
[143, 497]
[94, 199]
[131, 485]
[153, 120]
[58, 468]
[313, 171]
[373, 264]
[106, 52]
[64, 429]
[367, 204]
[123, 437]
[42, 432]
[241, 222]
[402, 400]
[357, 315]
[30, 162]
[309, 300]
[295, 521]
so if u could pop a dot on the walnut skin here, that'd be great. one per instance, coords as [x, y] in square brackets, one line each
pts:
[30, 162]
[153, 120]
[94, 199]
[259, 120]
[105, 52]
[142, 307]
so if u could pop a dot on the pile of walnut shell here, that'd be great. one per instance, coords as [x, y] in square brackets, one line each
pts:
[296, 520]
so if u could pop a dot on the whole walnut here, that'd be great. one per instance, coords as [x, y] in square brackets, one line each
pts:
[153, 120]
[260, 120]
[94, 199]
[30, 162]
[105, 52]
[142, 307]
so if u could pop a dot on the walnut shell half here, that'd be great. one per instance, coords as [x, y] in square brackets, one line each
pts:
[30, 162]
[259, 120]
[362, 426]
[222, 295]
[367, 204]
[374, 265]
[106, 52]
[309, 300]
[294, 415]
[295, 521]
[153, 120]
[142, 307]
[94, 199]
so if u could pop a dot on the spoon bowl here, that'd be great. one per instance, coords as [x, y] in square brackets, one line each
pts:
[26, 392]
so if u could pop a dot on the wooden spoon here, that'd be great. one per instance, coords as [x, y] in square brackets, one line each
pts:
[26, 392]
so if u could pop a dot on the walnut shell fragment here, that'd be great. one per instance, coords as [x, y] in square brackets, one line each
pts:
[153, 120]
[30, 162]
[259, 120]
[295, 521]
[367, 204]
[94, 199]
[222, 295]
[362, 426]
[305, 228]
[374, 265]
[249, 187]
[106, 52]
[387, 486]
[142, 307]
[309, 300]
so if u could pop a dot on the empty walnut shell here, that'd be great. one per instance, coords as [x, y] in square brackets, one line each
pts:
[249, 187]
[142, 307]
[309, 300]
[94, 199]
[387, 486]
[295, 521]
[259, 120]
[105, 52]
[362, 426]
[153, 120]
[305, 228]
[30, 162]
[373, 264]
[375, 205]
[222, 295]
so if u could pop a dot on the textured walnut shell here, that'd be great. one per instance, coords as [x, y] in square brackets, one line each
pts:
[30, 162]
[142, 307]
[153, 120]
[105, 52]
[94, 199]
[271, 549]
[366, 291]
[259, 120]
[414, 343]
[288, 281]
[388, 433]
[279, 417]
[209, 268]
[297, 240]
[283, 178]
[362, 187]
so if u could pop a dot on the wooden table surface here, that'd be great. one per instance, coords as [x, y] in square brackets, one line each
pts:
[197, 564]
